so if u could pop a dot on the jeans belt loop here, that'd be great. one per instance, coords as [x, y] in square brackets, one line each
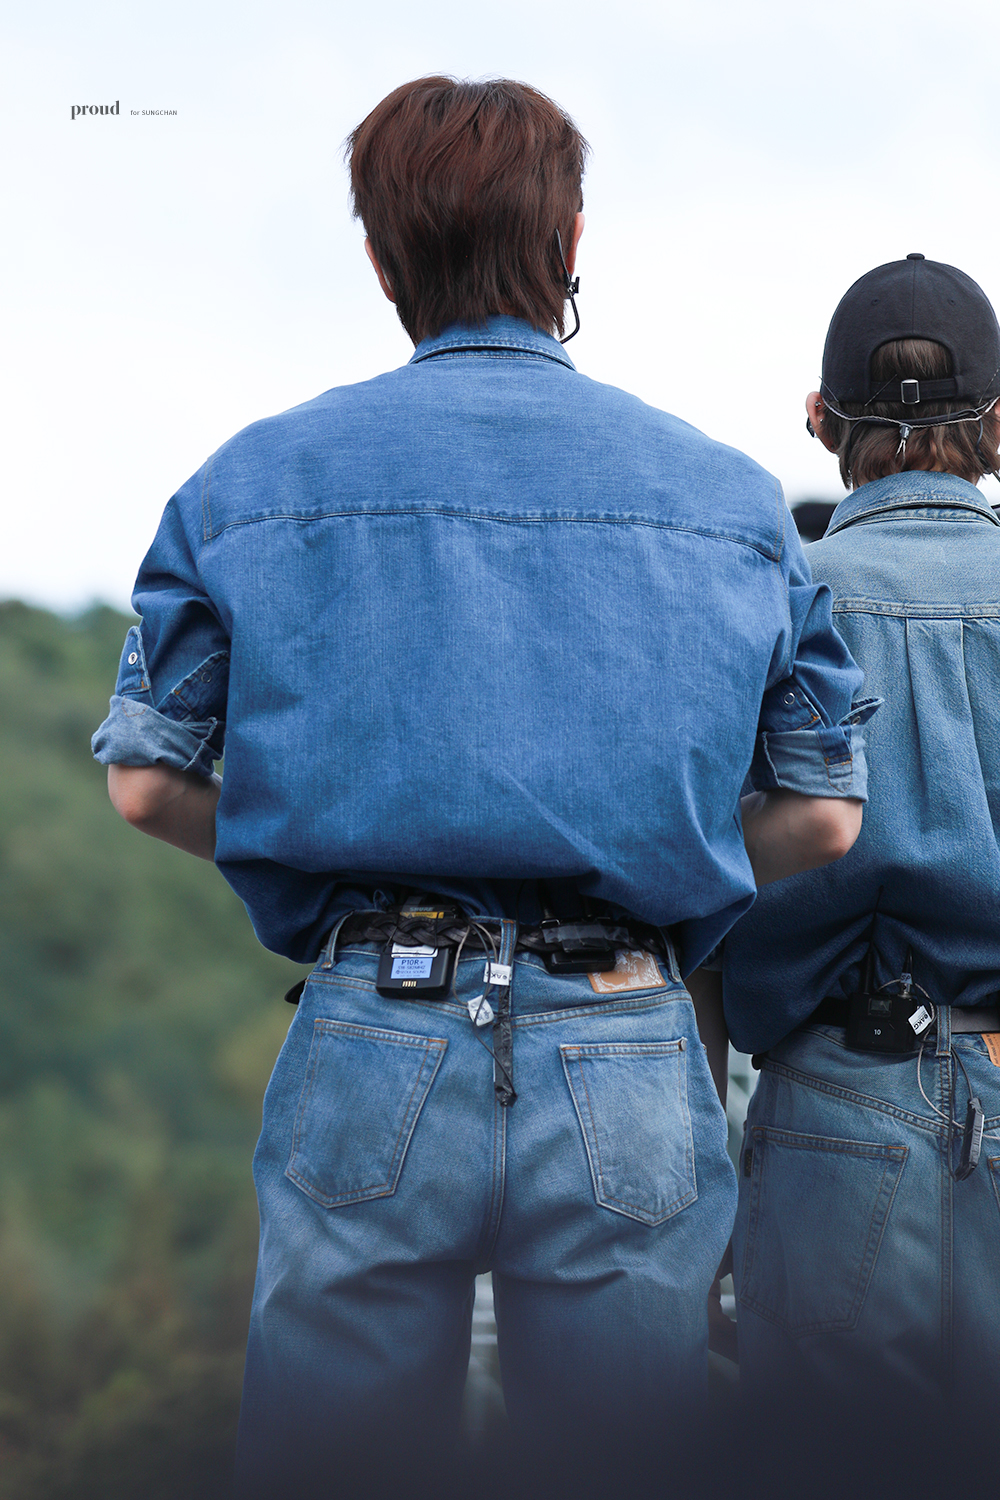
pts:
[329, 955]
[670, 955]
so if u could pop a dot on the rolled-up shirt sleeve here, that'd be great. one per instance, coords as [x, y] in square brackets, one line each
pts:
[810, 736]
[169, 704]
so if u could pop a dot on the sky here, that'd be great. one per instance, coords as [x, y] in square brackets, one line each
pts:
[166, 279]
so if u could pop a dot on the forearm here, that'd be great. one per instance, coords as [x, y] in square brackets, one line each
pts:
[786, 833]
[175, 806]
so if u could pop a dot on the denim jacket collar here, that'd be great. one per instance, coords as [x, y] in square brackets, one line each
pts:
[911, 490]
[495, 336]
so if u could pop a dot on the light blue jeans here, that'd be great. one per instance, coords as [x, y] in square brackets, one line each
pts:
[388, 1177]
[865, 1271]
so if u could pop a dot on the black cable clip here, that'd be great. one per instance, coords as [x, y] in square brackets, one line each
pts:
[972, 1140]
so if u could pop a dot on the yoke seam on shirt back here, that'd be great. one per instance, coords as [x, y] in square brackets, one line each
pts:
[462, 515]
[905, 610]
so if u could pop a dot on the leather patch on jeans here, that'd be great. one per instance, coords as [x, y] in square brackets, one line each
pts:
[992, 1040]
[633, 970]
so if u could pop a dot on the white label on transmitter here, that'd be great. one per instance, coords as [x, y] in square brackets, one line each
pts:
[498, 974]
[411, 966]
[921, 1019]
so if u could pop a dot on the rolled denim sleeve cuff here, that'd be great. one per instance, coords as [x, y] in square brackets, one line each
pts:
[826, 762]
[134, 734]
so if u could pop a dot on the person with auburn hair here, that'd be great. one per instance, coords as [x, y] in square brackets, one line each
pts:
[491, 648]
[866, 1244]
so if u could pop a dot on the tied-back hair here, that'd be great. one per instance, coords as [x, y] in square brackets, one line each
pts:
[461, 188]
[869, 451]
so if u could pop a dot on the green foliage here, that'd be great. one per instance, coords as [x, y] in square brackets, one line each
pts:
[139, 1019]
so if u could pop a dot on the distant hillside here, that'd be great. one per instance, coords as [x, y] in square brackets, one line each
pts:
[138, 1021]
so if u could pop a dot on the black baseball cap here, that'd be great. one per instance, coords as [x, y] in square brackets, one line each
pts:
[913, 298]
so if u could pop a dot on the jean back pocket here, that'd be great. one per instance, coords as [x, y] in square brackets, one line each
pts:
[632, 1105]
[362, 1096]
[818, 1212]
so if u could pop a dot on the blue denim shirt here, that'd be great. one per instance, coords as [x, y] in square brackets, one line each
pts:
[478, 620]
[914, 564]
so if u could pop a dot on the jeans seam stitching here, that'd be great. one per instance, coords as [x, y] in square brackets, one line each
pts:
[577, 1012]
[496, 1201]
[872, 1249]
[931, 1127]
[307, 1089]
[396, 1167]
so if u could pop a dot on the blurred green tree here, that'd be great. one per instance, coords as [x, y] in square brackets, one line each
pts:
[139, 1019]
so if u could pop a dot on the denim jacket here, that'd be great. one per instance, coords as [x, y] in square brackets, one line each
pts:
[482, 620]
[914, 564]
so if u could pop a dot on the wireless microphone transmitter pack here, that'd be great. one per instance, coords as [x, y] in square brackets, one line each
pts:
[414, 973]
[417, 973]
[880, 1023]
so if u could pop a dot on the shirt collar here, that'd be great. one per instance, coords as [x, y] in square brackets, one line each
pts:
[913, 489]
[495, 336]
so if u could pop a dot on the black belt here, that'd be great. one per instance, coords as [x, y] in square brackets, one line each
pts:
[580, 944]
[964, 1018]
[582, 936]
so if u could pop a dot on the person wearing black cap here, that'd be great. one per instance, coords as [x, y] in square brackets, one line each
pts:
[866, 1262]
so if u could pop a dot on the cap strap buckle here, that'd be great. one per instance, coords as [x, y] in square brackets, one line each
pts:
[909, 392]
